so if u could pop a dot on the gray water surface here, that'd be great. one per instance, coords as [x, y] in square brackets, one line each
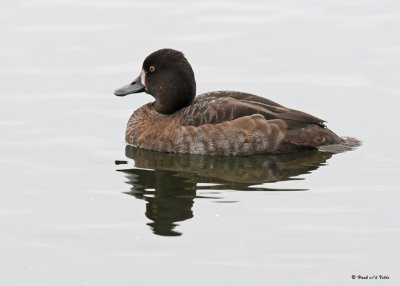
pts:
[70, 216]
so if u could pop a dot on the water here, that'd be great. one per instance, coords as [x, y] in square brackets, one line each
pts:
[70, 216]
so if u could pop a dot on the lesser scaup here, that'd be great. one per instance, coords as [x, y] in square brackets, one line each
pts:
[214, 123]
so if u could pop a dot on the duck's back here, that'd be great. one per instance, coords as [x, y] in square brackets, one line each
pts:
[228, 123]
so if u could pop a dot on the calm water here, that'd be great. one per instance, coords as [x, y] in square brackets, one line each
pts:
[78, 207]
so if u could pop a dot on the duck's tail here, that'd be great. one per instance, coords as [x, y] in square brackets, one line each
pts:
[321, 138]
[348, 144]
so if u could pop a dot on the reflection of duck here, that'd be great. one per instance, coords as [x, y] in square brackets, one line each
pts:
[170, 202]
[215, 123]
[168, 182]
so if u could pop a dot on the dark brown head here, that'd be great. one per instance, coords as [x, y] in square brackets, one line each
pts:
[168, 76]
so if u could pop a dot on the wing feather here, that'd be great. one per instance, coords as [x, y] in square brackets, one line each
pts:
[217, 107]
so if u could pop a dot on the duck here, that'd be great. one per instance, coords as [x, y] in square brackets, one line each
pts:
[229, 123]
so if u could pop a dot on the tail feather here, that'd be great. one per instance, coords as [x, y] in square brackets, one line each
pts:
[348, 144]
[321, 138]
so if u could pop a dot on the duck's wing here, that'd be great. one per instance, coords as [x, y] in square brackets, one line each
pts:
[217, 107]
[242, 96]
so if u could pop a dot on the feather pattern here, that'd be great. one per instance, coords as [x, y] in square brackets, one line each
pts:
[242, 124]
[217, 107]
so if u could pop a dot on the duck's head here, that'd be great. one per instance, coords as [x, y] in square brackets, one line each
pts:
[168, 77]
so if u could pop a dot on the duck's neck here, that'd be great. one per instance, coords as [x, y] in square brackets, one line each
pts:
[174, 97]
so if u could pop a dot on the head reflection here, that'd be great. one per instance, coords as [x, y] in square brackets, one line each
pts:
[168, 182]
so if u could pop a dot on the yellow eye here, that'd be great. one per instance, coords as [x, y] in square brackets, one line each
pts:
[152, 69]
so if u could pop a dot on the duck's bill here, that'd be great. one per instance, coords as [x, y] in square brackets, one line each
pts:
[134, 87]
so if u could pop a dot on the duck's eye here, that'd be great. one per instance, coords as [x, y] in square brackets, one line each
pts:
[152, 69]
